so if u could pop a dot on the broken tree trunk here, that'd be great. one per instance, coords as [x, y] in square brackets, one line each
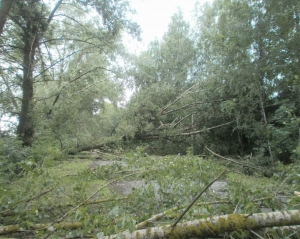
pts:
[202, 228]
[214, 226]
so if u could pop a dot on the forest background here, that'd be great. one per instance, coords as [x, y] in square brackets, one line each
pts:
[230, 83]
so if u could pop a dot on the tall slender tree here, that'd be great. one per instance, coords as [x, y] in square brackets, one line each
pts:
[32, 23]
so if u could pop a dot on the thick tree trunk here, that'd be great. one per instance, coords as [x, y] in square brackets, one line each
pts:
[33, 30]
[25, 128]
[5, 6]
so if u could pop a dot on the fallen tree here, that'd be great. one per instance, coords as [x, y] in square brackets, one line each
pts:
[216, 225]
[202, 228]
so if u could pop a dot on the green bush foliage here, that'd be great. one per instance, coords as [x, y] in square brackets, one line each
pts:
[12, 157]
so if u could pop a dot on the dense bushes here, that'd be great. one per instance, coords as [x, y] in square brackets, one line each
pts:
[12, 156]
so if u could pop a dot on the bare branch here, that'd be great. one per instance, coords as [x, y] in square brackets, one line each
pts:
[178, 98]
[203, 130]
[234, 161]
[196, 198]
[53, 11]
[174, 209]
[188, 106]
[174, 126]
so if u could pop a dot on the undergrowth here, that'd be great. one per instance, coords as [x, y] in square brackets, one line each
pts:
[60, 189]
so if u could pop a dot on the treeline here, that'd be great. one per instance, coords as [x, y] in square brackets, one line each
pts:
[231, 83]
[229, 80]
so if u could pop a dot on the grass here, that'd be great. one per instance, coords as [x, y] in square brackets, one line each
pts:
[44, 192]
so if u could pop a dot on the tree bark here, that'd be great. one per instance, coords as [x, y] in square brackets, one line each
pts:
[32, 32]
[5, 6]
[217, 225]
[25, 128]
[202, 228]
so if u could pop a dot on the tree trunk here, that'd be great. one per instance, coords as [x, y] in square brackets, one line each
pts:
[5, 6]
[214, 226]
[25, 128]
[32, 32]
[202, 228]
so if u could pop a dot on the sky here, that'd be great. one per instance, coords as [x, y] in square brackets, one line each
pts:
[154, 16]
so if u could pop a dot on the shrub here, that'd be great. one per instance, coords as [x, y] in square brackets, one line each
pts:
[12, 153]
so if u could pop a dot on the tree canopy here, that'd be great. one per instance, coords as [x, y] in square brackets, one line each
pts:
[225, 85]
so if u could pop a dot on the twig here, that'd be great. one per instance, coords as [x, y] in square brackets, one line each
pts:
[157, 136]
[105, 200]
[195, 199]
[174, 209]
[289, 236]
[232, 160]
[282, 184]
[203, 130]
[256, 234]
[237, 207]
[178, 98]
[188, 106]
[180, 120]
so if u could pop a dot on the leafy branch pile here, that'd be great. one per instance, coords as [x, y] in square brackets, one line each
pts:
[71, 198]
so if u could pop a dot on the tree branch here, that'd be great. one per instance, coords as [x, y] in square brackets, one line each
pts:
[234, 161]
[174, 209]
[196, 198]
[178, 98]
[203, 130]
[53, 11]
[187, 106]
[211, 227]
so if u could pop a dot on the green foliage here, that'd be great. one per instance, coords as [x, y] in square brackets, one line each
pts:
[12, 157]
[236, 66]
[289, 173]
[285, 133]
[231, 84]
[75, 72]
[48, 191]
[45, 151]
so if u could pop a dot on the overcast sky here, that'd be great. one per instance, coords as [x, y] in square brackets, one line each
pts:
[154, 16]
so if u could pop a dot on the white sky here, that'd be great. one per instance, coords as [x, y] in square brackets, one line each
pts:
[154, 16]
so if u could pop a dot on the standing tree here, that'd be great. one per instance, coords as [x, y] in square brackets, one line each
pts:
[29, 42]
[249, 54]
[160, 74]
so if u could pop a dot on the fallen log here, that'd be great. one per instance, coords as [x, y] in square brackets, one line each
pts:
[215, 226]
[17, 228]
[201, 228]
